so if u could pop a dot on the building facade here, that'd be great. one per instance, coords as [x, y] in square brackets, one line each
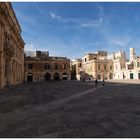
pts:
[119, 61]
[126, 69]
[132, 70]
[11, 47]
[43, 67]
[97, 66]
[76, 69]
[100, 65]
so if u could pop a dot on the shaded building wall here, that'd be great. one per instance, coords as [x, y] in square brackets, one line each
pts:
[40, 72]
[11, 47]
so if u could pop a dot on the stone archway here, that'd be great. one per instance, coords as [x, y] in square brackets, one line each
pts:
[65, 76]
[56, 76]
[47, 76]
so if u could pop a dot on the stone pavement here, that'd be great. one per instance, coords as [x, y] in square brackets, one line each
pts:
[75, 109]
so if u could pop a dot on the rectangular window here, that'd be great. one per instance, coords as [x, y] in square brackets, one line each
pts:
[85, 59]
[65, 66]
[111, 67]
[138, 75]
[30, 66]
[105, 67]
[47, 66]
[79, 65]
[98, 67]
[131, 76]
[56, 67]
[138, 64]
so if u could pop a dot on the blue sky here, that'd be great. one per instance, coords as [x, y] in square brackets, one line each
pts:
[74, 28]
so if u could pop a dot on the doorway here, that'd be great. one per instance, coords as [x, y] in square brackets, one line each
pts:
[29, 77]
[65, 76]
[56, 76]
[47, 76]
[131, 76]
[138, 75]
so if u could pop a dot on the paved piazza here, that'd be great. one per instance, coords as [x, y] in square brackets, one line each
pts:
[71, 109]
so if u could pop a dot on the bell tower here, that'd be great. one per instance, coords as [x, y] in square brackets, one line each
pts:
[132, 54]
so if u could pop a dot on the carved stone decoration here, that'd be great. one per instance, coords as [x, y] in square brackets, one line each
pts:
[9, 49]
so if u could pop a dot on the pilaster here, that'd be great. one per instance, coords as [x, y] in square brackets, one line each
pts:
[1, 56]
[8, 68]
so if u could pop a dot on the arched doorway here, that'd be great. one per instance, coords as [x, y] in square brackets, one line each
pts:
[29, 77]
[65, 76]
[56, 76]
[47, 76]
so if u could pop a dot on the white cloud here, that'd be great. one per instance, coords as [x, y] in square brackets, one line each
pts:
[30, 50]
[92, 23]
[120, 41]
[54, 16]
[30, 47]
[81, 22]
[101, 10]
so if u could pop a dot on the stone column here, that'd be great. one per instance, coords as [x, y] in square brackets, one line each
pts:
[69, 76]
[51, 76]
[1, 56]
[60, 75]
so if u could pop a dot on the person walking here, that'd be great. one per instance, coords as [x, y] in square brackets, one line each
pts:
[96, 82]
[83, 79]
